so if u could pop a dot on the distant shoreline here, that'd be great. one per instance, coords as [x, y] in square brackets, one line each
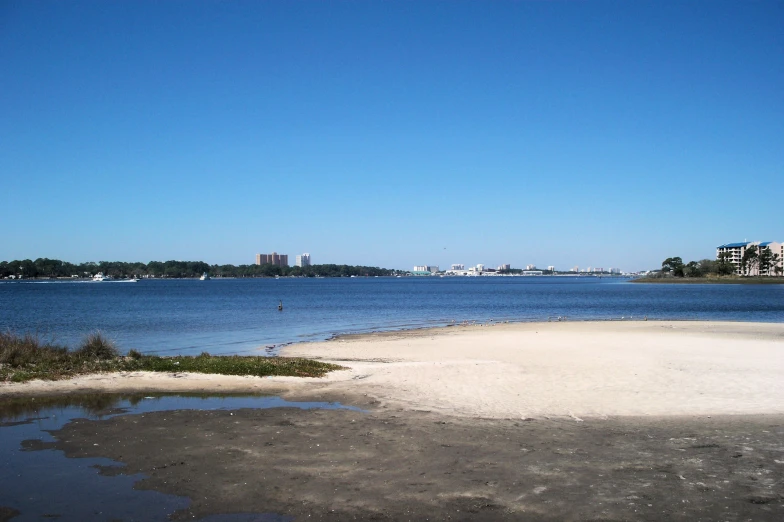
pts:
[712, 280]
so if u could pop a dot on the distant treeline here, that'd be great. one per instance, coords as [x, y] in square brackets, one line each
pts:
[43, 267]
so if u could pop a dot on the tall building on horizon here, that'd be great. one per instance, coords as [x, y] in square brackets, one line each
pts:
[272, 259]
[302, 260]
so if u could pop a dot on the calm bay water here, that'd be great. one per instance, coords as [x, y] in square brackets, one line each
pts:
[241, 315]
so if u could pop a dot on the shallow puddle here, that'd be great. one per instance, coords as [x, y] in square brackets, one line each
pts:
[41, 483]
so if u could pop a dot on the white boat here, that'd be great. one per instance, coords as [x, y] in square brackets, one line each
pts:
[100, 277]
[204, 277]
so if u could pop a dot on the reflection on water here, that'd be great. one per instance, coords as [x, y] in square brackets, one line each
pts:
[40, 482]
[247, 517]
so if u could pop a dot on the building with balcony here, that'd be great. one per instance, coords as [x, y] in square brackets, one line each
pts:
[734, 252]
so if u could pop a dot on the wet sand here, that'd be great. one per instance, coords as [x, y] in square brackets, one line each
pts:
[540, 421]
[393, 464]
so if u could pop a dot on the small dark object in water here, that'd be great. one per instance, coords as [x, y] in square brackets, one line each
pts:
[280, 306]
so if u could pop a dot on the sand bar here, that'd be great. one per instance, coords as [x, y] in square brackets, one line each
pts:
[519, 370]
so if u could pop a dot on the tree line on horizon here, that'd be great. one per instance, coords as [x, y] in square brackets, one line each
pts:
[54, 268]
[760, 260]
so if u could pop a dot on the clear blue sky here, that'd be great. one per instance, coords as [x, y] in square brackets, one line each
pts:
[610, 134]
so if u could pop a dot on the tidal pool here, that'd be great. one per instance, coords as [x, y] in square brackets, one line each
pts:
[39, 482]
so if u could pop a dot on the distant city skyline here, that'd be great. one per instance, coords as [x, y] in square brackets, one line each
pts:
[390, 133]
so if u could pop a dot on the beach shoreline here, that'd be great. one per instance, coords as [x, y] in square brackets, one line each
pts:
[513, 370]
[534, 421]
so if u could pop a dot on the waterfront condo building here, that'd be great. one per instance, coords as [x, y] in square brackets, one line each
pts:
[272, 259]
[302, 260]
[735, 252]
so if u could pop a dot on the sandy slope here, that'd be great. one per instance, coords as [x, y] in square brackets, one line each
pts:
[578, 369]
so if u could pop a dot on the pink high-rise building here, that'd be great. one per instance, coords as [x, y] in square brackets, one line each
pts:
[272, 259]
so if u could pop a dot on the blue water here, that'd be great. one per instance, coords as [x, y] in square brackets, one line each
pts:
[241, 316]
[44, 484]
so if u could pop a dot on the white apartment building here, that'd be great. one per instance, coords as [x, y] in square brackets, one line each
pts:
[506, 266]
[458, 267]
[302, 260]
[551, 268]
[737, 250]
[433, 269]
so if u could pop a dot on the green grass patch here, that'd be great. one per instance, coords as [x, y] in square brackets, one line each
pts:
[26, 357]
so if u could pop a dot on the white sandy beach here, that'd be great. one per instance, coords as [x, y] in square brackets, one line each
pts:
[578, 369]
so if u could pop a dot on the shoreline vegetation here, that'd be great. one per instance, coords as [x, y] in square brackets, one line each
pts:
[25, 357]
[44, 268]
[726, 280]
[756, 267]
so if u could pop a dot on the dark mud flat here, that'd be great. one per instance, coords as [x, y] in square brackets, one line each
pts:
[7, 513]
[402, 465]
